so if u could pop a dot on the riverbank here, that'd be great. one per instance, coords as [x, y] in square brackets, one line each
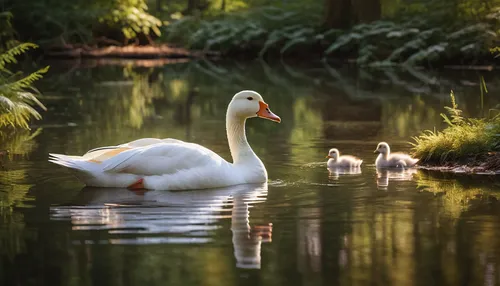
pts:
[486, 164]
[313, 51]
[163, 54]
[125, 52]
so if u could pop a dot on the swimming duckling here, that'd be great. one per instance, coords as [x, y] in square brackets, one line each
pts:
[386, 159]
[335, 160]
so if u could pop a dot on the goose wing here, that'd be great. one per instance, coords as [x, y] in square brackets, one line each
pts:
[103, 153]
[165, 157]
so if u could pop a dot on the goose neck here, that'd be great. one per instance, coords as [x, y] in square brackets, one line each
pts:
[241, 152]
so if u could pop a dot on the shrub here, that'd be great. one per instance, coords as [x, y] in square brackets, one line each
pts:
[462, 139]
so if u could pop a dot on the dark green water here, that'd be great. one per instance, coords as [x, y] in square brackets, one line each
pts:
[305, 227]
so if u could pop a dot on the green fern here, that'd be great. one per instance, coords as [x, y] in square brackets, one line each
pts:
[455, 113]
[17, 94]
[495, 50]
[407, 41]
[9, 56]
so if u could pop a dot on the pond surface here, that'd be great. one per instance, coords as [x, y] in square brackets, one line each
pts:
[306, 226]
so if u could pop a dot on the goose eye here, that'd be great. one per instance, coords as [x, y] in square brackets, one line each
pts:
[250, 98]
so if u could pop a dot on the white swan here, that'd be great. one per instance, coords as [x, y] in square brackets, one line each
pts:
[170, 164]
[386, 159]
[336, 161]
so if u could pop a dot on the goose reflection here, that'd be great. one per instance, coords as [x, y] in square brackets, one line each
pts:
[309, 240]
[384, 175]
[335, 172]
[171, 217]
[247, 240]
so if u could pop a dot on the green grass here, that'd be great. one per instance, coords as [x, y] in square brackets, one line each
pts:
[463, 138]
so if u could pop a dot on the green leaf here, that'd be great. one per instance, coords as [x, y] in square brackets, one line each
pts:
[292, 43]
[10, 55]
[343, 41]
[273, 38]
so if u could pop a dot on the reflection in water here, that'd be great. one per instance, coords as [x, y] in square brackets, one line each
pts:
[15, 145]
[247, 240]
[457, 196]
[18, 143]
[170, 217]
[309, 240]
[381, 250]
[334, 173]
[384, 175]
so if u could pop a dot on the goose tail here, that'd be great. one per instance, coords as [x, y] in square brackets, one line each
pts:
[72, 162]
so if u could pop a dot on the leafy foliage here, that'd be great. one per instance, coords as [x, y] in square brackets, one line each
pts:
[496, 51]
[132, 18]
[424, 33]
[411, 43]
[7, 32]
[256, 30]
[69, 22]
[17, 94]
[464, 137]
[415, 33]
[10, 55]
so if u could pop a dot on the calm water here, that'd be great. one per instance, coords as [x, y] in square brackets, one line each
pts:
[307, 226]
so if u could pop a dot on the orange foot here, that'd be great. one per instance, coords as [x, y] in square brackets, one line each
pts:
[264, 231]
[139, 185]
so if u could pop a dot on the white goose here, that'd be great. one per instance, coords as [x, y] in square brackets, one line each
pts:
[170, 164]
[386, 159]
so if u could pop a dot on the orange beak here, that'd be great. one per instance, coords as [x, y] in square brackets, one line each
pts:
[265, 112]
[328, 156]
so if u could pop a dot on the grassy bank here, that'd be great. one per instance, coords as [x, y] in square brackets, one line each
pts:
[465, 142]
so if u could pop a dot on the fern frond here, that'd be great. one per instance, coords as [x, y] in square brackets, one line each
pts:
[17, 93]
[10, 55]
[31, 98]
[25, 82]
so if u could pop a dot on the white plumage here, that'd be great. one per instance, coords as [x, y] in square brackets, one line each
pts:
[337, 161]
[386, 159]
[171, 164]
